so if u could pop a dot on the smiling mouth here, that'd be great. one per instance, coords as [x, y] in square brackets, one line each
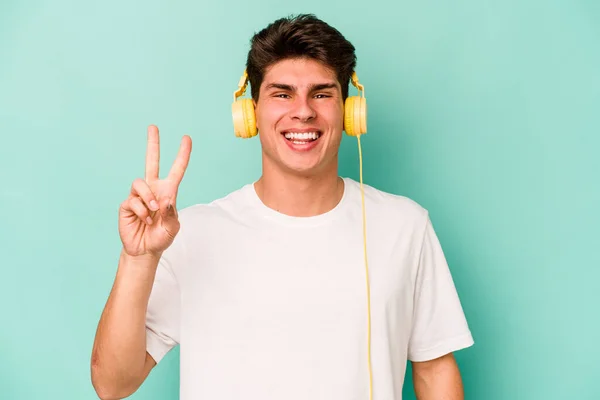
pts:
[302, 137]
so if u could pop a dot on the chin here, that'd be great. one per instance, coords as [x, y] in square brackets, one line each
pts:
[305, 168]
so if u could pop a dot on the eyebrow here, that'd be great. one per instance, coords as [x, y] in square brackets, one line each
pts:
[292, 88]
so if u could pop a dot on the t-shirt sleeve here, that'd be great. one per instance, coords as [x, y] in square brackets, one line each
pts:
[163, 313]
[439, 324]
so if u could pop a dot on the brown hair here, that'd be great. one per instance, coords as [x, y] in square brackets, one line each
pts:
[300, 36]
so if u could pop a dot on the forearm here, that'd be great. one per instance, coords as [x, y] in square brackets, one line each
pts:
[119, 352]
[438, 380]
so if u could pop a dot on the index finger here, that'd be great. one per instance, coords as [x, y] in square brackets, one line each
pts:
[182, 161]
[152, 154]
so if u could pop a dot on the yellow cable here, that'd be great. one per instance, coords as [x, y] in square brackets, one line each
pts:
[367, 272]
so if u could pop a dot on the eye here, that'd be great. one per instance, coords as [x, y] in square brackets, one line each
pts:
[281, 95]
[322, 96]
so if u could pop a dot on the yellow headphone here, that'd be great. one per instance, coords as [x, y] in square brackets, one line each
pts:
[244, 118]
[355, 124]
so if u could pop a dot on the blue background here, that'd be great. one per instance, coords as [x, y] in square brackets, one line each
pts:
[486, 113]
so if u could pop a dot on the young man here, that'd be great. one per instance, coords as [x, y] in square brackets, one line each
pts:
[264, 290]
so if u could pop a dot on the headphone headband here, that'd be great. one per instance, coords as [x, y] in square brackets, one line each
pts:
[354, 80]
[242, 84]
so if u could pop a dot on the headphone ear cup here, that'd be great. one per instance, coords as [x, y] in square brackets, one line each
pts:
[355, 115]
[244, 118]
[363, 115]
[349, 116]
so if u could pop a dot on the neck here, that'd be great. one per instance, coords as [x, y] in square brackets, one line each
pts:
[300, 196]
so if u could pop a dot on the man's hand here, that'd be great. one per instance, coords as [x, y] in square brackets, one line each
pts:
[148, 219]
[437, 379]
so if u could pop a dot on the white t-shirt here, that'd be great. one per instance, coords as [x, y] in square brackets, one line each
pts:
[267, 306]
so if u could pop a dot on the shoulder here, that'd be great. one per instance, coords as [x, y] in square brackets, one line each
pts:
[386, 206]
[235, 203]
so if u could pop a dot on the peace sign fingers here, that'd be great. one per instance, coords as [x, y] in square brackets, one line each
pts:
[152, 154]
[181, 162]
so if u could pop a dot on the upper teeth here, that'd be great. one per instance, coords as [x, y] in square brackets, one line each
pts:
[304, 135]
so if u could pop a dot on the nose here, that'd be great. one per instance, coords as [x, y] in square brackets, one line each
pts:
[302, 109]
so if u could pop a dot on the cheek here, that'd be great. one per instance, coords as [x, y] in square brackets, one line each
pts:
[334, 115]
[269, 114]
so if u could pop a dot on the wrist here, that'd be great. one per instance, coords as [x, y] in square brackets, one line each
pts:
[140, 259]
[137, 272]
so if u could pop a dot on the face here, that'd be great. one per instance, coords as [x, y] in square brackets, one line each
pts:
[299, 116]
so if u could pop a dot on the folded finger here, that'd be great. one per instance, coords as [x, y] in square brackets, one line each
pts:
[139, 208]
[140, 188]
